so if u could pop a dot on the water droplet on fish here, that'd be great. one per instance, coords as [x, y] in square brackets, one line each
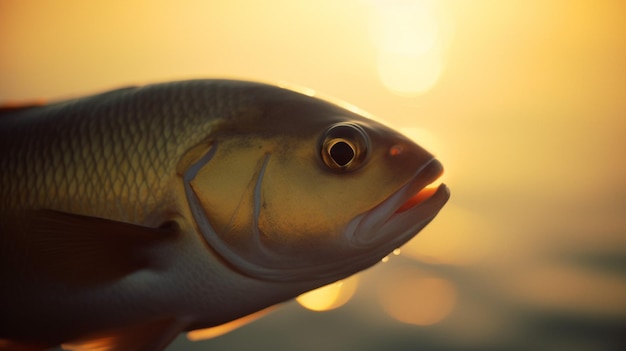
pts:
[396, 252]
[385, 259]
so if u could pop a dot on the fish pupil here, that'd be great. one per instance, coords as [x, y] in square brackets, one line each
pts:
[344, 147]
[342, 153]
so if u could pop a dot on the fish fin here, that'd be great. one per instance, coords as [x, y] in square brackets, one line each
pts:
[11, 106]
[86, 250]
[153, 336]
[10, 345]
[213, 332]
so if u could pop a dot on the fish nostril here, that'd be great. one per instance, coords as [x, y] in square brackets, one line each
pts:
[396, 149]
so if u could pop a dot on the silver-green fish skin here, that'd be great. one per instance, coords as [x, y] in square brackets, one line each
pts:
[130, 216]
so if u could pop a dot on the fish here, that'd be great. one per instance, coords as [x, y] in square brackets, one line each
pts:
[131, 216]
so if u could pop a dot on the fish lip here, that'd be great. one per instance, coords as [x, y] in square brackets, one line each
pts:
[384, 226]
[356, 251]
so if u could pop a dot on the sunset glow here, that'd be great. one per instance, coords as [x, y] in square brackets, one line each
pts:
[522, 101]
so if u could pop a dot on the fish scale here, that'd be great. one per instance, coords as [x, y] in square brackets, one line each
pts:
[66, 161]
[130, 216]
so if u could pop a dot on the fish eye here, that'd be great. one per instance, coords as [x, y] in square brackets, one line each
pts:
[344, 147]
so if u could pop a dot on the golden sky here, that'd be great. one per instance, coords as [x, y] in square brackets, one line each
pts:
[523, 101]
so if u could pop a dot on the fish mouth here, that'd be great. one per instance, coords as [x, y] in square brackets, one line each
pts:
[363, 242]
[403, 214]
[375, 233]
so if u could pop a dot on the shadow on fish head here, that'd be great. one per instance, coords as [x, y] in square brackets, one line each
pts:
[297, 189]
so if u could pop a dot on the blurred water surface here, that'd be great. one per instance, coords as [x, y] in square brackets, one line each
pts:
[523, 101]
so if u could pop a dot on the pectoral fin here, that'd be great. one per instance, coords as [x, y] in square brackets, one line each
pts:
[213, 332]
[89, 250]
[10, 345]
[154, 336]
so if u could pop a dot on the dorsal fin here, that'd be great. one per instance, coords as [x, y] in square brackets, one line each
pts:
[10, 107]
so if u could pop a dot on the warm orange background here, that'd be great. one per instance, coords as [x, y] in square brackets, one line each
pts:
[523, 101]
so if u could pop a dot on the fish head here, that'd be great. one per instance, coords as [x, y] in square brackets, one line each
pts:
[299, 189]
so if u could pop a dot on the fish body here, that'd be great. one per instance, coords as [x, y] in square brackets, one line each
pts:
[130, 216]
